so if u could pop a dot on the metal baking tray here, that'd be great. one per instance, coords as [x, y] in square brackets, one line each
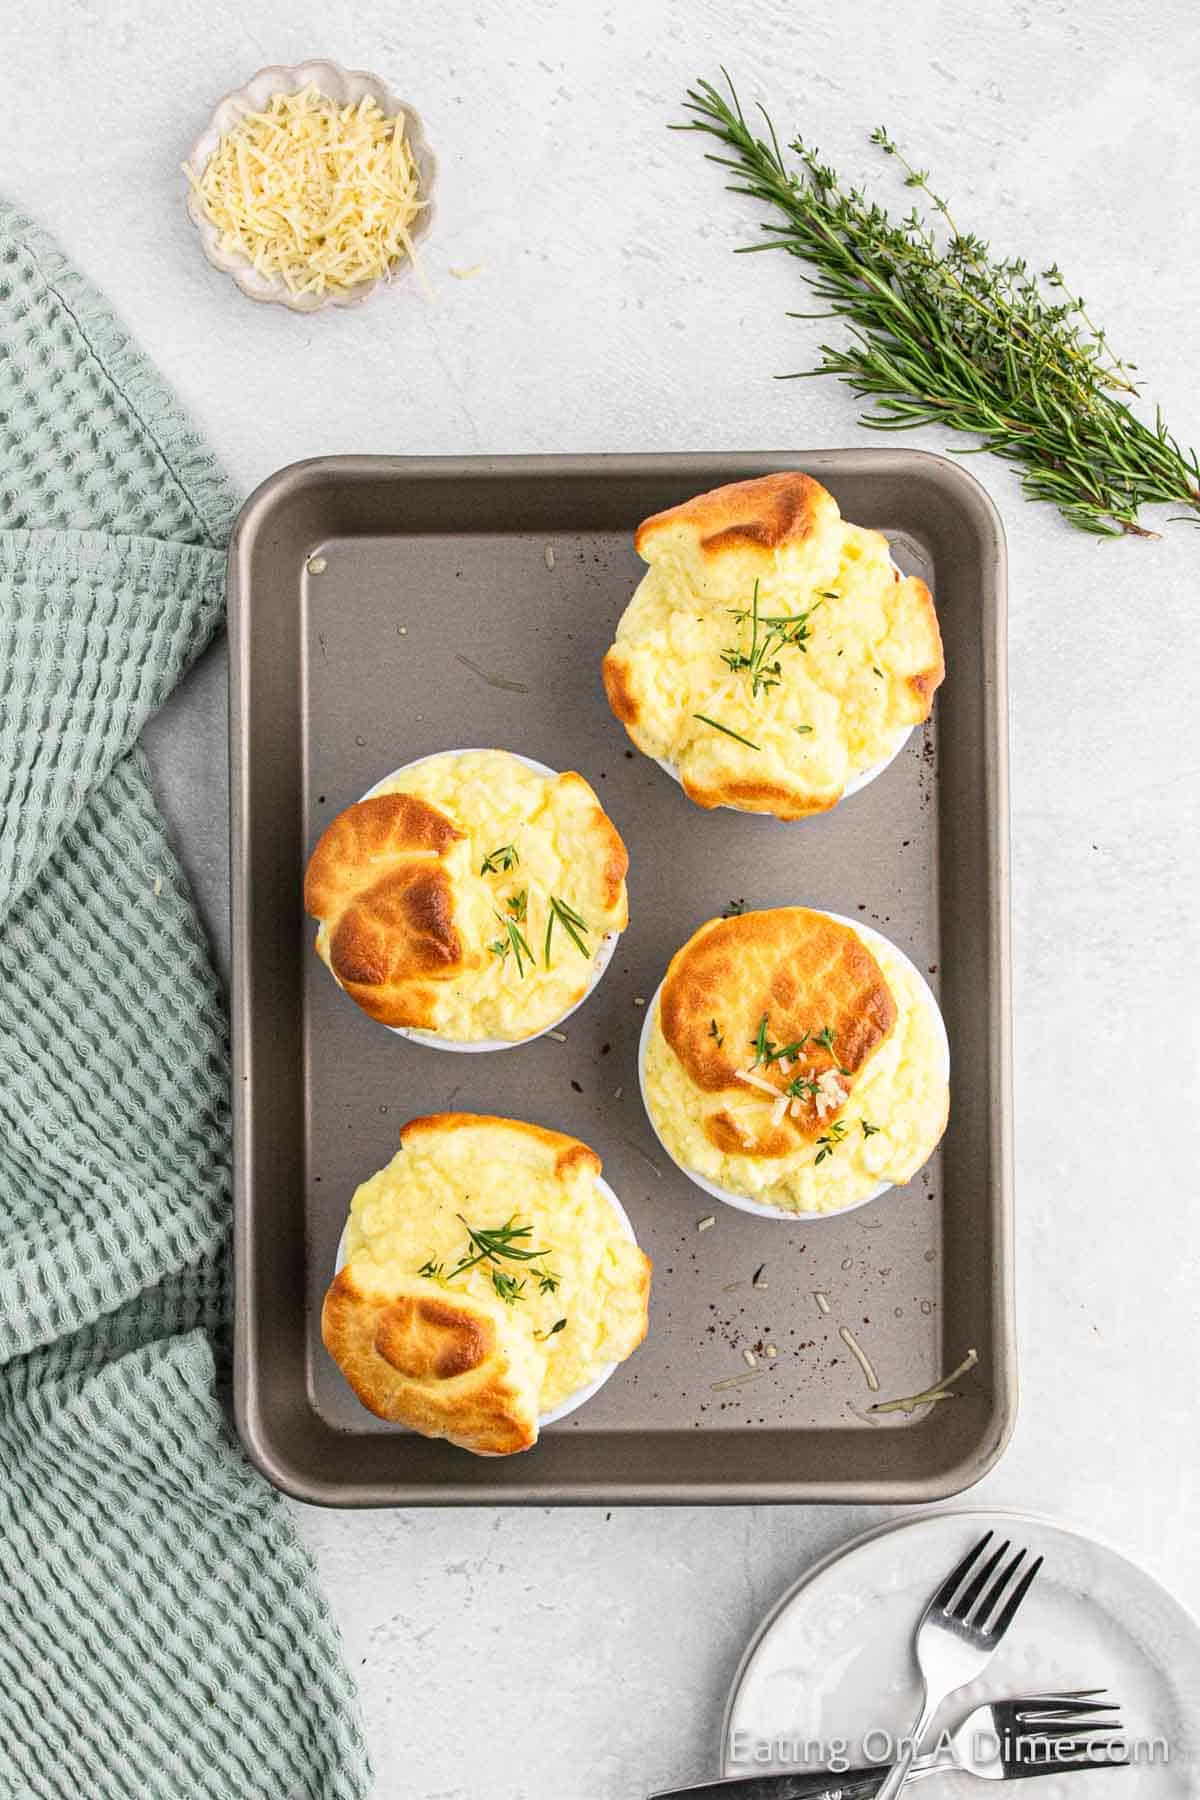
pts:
[469, 601]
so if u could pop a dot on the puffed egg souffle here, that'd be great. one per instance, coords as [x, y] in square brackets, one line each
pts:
[794, 1063]
[471, 899]
[491, 1282]
[773, 657]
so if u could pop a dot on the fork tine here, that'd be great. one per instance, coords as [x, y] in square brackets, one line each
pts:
[1012, 1605]
[1071, 1728]
[950, 1586]
[1044, 1752]
[971, 1594]
[1055, 1709]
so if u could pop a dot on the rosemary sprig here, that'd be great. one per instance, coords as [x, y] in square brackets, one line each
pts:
[727, 729]
[514, 938]
[944, 331]
[505, 857]
[572, 924]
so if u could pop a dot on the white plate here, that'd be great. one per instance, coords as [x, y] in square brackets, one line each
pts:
[834, 1660]
[600, 961]
[760, 1208]
[598, 1380]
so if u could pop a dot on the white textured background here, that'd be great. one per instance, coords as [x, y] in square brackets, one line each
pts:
[585, 1655]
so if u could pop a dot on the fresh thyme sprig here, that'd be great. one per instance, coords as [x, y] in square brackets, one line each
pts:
[824, 1037]
[943, 331]
[507, 1240]
[491, 1245]
[572, 924]
[768, 636]
[829, 1141]
[505, 857]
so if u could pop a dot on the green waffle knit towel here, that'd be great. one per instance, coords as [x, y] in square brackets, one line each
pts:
[161, 1631]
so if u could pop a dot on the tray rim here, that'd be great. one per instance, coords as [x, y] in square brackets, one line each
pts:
[982, 517]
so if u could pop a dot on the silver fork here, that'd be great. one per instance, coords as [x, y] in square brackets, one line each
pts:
[1005, 1740]
[959, 1633]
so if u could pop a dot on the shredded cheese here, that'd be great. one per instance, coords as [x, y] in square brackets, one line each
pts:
[752, 1079]
[320, 195]
[864, 1362]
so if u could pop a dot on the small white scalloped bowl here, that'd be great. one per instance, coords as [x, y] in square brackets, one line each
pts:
[760, 1208]
[600, 961]
[583, 1394]
[345, 86]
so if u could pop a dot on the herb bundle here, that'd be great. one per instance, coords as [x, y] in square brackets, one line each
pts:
[945, 332]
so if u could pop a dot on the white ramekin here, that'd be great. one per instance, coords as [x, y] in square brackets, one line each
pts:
[577, 1399]
[853, 786]
[760, 1207]
[600, 960]
[345, 86]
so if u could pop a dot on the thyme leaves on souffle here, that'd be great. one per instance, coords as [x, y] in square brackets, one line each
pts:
[507, 1286]
[766, 1051]
[769, 635]
[825, 1039]
[944, 331]
[493, 1245]
[829, 1140]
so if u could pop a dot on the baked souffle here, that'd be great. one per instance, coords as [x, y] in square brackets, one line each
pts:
[488, 1278]
[773, 655]
[795, 1061]
[471, 896]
